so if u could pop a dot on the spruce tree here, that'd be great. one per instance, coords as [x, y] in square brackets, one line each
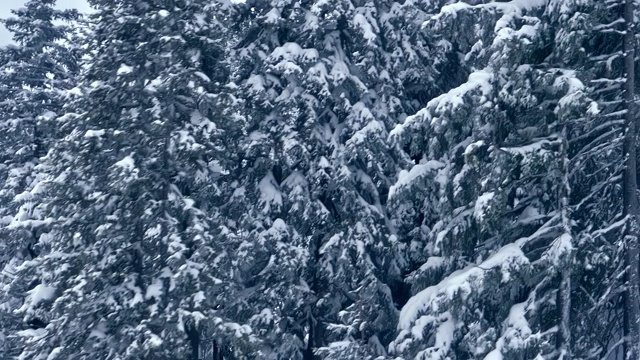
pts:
[490, 192]
[603, 153]
[326, 81]
[36, 72]
[130, 266]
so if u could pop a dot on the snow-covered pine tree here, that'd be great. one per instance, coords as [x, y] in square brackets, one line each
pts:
[131, 267]
[325, 81]
[35, 72]
[595, 36]
[488, 196]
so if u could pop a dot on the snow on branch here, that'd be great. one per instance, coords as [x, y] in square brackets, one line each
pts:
[478, 81]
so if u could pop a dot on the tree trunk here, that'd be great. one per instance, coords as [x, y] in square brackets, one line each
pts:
[630, 201]
[564, 291]
[193, 336]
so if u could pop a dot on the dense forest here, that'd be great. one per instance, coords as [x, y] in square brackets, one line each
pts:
[320, 179]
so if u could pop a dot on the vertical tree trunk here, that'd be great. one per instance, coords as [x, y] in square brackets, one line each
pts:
[193, 335]
[564, 292]
[308, 354]
[565, 315]
[630, 202]
[316, 333]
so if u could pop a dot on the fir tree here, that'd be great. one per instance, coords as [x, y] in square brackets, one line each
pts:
[605, 228]
[490, 192]
[130, 267]
[36, 73]
[326, 80]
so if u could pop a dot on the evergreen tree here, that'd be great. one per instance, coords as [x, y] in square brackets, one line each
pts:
[489, 195]
[326, 80]
[325, 179]
[131, 266]
[605, 238]
[36, 73]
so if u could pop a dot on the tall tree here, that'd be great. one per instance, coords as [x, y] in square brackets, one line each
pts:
[126, 269]
[490, 191]
[630, 199]
[326, 81]
[36, 72]
[602, 163]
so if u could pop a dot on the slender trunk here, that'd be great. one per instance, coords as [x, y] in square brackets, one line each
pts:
[308, 354]
[564, 292]
[630, 202]
[193, 335]
[316, 333]
[217, 355]
[565, 315]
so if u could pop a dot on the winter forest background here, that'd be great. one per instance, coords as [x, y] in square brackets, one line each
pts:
[320, 179]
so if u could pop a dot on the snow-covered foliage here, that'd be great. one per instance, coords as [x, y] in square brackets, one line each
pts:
[491, 212]
[317, 179]
[325, 82]
[35, 74]
[129, 259]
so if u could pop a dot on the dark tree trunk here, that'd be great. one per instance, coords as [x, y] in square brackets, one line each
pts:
[564, 291]
[630, 202]
[194, 340]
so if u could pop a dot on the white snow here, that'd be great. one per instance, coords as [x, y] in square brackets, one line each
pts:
[154, 290]
[54, 353]
[126, 163]
[293, 52]
[433, 262]
[516, 333]
[153, 231]
[364, 25]
[593, 108]
[471, 147]
[273, 16]
[536, 146]
[451, 10]
[459, 282]
[331, 242]
[238, 330]
[137, 294]
[561, 246]
[152, 86]
[48, 115]
[76, 91]
[515, 7]
[529, 214]
[255, 83]
[266, 315]
[124, 69]
[269, 193]
[479, 80]
[99, 331]
[153, 340]
[443, 339]
[41, 293]
[483, 203]
[574, 89]
[198, 298]
[94, 133]
[372, 127]
[407, 178]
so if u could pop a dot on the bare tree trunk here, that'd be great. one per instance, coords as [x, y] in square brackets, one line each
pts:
[630, 202]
